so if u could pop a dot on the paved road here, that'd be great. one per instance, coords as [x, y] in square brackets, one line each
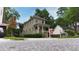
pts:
[40, 45]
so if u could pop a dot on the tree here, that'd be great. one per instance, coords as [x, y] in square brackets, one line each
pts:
[45, 14]
[60, 20]
[70, 15]
[21, 26]
[38, 12]
[8, 13]
[42, 13]
[50, 21]
[74, 16]
[61, 11]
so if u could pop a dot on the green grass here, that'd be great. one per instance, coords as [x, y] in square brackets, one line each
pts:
[72, 37]
[14, 38]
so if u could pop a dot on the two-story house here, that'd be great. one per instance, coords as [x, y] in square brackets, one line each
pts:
[34, 25]
[12, 22]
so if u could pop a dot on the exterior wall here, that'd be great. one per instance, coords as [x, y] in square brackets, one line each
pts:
[29, 27]
[12, 22]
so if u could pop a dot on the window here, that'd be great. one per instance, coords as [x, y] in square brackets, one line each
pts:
[35, 27]
[46, 28]
[43, 22]
[36, 21]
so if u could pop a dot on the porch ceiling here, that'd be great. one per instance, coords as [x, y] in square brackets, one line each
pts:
[44, 25]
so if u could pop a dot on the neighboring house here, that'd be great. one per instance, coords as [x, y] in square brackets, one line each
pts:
[34, 25]
[2, 24]
[12, 22]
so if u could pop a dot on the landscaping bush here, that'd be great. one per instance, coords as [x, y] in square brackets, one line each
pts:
[70, 32]
[8, 32]
[39, 35]
[77, 33]
[55, 36]
[16, 33]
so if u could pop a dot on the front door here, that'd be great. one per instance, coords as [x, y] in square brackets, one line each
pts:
[40, 29]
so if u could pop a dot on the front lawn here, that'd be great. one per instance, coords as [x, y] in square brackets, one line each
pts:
[14, 38]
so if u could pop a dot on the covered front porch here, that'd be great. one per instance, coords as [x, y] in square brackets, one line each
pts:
[42, 28]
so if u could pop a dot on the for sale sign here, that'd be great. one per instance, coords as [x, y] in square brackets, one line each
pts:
[50, 31]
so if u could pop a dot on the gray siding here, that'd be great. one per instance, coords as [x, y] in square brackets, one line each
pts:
[29, 27]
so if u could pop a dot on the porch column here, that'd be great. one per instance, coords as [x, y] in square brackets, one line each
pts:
[42, 29]
[38, 29]
[6, 27]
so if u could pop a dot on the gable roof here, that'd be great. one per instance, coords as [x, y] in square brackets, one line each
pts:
[58, 30]
[35, 17]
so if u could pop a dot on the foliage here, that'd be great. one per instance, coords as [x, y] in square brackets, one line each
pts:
[73, 16]
[39, 35]
[20, 27]
[70, 16]
[77, 33]
[50, 21]
[61, 11]
[8, 32]
[9, 12]
[42, 13]
[45, 14]
[16, 32]
[55, 36]
[60, 21]
[70, 32]
[12, 32]
[14, 38]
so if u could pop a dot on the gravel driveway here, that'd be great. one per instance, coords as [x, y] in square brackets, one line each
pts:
[45, 44]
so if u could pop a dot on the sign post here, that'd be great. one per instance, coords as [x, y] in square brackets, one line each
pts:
[50, 31]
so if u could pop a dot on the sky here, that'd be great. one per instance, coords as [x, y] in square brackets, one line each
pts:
[26, 12]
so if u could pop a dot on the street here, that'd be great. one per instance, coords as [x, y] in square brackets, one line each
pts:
[40, 44]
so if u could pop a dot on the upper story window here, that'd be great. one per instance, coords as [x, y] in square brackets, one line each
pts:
[43, 22]
[36, 21]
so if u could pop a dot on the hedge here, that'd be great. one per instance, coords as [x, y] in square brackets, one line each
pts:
[37, 35]
[70, 32]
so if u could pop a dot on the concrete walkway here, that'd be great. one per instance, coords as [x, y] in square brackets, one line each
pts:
[40, 44]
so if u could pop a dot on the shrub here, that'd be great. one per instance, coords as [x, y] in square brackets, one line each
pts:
[12, 32]
[70, 32]
[55, 36]
[77, 33]
[16, 32]
[8, 32]
[38, 35]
